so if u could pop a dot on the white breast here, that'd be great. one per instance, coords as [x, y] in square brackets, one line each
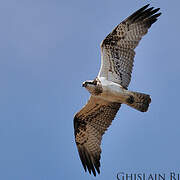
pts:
[112, 91]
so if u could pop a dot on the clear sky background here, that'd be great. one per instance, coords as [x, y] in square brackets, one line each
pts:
[47, 49]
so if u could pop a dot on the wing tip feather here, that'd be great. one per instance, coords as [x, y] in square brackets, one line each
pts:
[143, 14]
[89, 161]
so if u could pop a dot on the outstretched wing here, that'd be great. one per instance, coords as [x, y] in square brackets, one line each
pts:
[117, 49]
[90, 123]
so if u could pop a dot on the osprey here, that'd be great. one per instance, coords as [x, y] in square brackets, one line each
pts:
[109, 89]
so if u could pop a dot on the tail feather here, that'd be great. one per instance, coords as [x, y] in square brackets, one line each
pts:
[138, 101]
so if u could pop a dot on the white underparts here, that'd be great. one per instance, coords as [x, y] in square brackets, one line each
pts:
[113, 92]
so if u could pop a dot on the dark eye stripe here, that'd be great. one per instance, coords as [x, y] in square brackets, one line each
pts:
[95, 82]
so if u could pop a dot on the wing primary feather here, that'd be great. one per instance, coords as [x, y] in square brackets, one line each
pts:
[82, 157]
[89, 163]
[152, 19]
[97, 163]
[147, 14]
[135, 14]
[155, 16]
[155, 10]
[86, 160]
[142, 15]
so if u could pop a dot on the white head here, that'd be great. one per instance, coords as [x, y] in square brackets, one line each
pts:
[93, 86]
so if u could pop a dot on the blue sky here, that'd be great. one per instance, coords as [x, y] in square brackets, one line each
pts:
[48, 48]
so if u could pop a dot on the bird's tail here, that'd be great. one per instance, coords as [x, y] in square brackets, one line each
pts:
[138, 101]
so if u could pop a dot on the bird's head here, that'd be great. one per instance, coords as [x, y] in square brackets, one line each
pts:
[93, 86]
[89, 83]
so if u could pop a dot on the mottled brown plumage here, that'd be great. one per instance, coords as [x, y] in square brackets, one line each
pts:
[109, 89]
[118, 47]
[89, 125]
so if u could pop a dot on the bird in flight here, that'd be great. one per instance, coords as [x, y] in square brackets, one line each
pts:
[109, 89]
